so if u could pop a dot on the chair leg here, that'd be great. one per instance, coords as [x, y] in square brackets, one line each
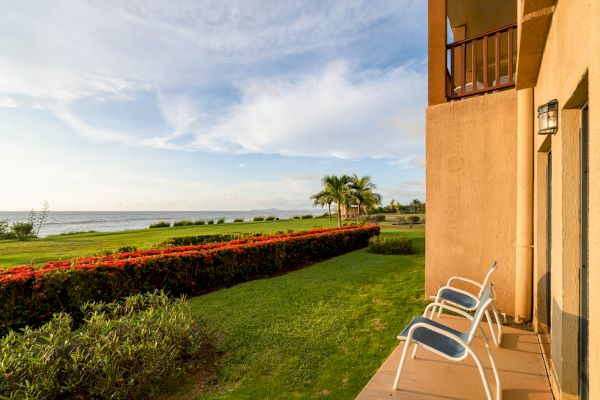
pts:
[440, 310]
[499, 324]
[490, 324]
[402, 360]
[484, 379]
[494, 369]
[414, 353]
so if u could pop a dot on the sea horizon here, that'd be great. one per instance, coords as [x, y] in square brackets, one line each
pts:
[60, 222]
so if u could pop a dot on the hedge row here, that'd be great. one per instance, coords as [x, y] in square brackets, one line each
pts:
[30, 296]
[204, 239]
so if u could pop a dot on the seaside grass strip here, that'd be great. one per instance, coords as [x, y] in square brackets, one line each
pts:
[30, 296]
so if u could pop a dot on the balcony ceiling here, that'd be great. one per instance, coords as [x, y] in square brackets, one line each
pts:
[479, 16]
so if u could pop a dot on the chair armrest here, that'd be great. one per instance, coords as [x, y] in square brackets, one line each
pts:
[434, 329]
[447, 307]
[460, 278]
[457, 290]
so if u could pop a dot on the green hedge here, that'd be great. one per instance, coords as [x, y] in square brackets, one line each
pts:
[122, 350]
[390, 245]
[203, 239]
[29, 296]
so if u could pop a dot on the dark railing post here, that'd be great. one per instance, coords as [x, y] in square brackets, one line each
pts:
[460, 67]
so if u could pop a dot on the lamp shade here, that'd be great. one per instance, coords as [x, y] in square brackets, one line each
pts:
[548, 118]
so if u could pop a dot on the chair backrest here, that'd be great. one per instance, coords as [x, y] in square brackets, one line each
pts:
[484, 302]
[485, 282]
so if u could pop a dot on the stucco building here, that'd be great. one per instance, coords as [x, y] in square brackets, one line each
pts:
[503, 184]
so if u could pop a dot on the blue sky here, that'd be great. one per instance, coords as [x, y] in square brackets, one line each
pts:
[208, 105]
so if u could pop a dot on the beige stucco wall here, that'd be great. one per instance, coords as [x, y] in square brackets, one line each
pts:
[471, 191]
[569, 66]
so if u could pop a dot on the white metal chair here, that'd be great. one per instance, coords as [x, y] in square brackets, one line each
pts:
[450, 343]
[469, 302]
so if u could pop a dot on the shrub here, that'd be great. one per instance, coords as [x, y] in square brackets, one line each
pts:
[414, 219]
[390, 245]
[30, 296]
[203, 239]
[5, 232]
[127, 249]
[238, 220]
[296, 217]
[401, 220]
[120, 351]
[258, 219]
[221, 220]
[307, 216]
[22, 230]
[160, 224]
[210, 222]
[377, 218]
[183, 222]
[270, 218]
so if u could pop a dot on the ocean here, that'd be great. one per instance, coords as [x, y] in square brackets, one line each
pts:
[108, 221]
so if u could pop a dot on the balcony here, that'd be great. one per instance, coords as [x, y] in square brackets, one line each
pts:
[481, 64]
[520, 365]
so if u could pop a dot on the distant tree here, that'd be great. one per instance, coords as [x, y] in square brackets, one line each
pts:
[323, 198]
[363, 190]
[336, 189]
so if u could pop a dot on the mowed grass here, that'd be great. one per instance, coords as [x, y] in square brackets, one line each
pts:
[38, 251]
[320, 332]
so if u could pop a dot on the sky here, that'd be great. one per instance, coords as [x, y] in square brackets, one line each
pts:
[208, 105]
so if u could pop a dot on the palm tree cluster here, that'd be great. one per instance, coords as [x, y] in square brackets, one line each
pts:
[345, 191]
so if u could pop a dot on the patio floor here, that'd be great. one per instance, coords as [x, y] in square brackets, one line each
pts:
[429, 376]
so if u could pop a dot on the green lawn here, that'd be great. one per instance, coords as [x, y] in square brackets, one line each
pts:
[38, 251]
[320, 332]
[13, 252]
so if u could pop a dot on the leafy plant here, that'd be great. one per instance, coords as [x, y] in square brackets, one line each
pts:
[221, 220]
[210, 222]
[199, 222]
[270, 218]
[183, 222]
[203, 239]
[390, 245]
[121, 350]
[22, 230]
[258, 219]
[127, 249]
[307, 216]
[160, 224]
[238, 220]
[5, 232]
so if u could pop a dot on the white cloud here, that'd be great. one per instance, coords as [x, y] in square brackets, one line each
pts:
[333, 113]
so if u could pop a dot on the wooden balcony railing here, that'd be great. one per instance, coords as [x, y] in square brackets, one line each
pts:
[471, 70]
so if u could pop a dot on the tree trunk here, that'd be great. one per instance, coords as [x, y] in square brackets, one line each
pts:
[329, 206]
[339, 216]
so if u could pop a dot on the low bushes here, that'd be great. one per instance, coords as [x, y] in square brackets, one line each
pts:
[258, 219]
[120, 351]
[160, 224]
[203, 239]
[238, 220]
[307, 216]
[270, 218]
[30, 296]
[221, 220]
[183, 222]
[390, 245]
[199, 222]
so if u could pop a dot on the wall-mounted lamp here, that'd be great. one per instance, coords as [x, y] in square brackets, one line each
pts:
[548, 118]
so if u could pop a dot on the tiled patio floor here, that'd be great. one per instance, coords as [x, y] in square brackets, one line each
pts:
[519, 360]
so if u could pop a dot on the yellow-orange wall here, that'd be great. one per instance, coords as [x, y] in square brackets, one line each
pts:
[568, 69]
[471, 191]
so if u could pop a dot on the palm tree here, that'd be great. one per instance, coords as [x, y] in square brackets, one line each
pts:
[364, 193]
[322, 198]
[336, 189]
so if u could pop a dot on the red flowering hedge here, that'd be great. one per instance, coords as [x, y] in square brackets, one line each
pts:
[30, 296]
